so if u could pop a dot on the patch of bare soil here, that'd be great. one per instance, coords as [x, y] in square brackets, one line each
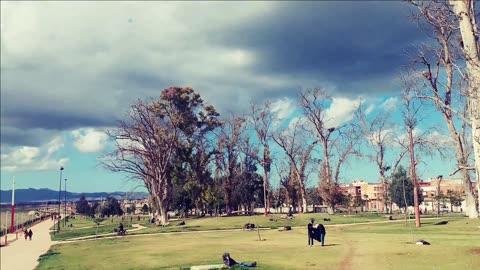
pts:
[475, 251]
[346, 262]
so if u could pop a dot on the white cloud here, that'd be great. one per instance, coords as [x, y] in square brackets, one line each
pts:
[391, 104]
[341, 111]
[370, 109]
[89, 140]
[27, 158]
[55, 145]
[282, 109]
[386, 136]
[440, 139]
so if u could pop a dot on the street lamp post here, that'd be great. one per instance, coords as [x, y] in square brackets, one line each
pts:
[65, 204]
[59, 198]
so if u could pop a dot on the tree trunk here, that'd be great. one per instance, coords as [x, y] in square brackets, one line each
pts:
[414, 176]
[162, 214]
[303, 193]
[265, 199]
[385, 192]
[470, 204]
[228, 198]
[326, 158]
[475, 122]
[468, 26]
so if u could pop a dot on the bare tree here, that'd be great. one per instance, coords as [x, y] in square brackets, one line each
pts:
[380, 136]
[145, 145]
[465, 12]
[410, 120]
[229, 142]
[441, 60]
[346, 145]
[313, 104]
[262, 120]
[341, 139]
[293, 142]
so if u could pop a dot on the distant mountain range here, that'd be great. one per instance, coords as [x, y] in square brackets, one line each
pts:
[44, 194]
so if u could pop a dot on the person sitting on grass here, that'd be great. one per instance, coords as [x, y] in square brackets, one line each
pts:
[228, 261]
[120, 227]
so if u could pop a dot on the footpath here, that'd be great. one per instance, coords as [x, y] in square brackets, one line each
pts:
[21, 254]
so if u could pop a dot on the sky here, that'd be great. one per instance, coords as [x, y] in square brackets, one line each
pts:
[69, 70]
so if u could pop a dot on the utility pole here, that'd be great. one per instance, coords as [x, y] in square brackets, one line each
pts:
[12, 225]
[59, 200]
[65, 204]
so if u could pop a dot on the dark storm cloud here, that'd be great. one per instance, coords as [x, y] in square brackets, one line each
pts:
[230, 52]
[13, 136]
[347, 43]
[54, 120]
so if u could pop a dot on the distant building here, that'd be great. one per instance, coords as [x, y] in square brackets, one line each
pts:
[434, 186]
[371, 193]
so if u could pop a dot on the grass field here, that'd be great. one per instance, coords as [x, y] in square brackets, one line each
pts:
[85, 226]
[373, 246]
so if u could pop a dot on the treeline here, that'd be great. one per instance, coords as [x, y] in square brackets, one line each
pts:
[189, 158]
[109, 207]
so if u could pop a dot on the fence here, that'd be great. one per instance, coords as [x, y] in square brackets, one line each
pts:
[22, 220]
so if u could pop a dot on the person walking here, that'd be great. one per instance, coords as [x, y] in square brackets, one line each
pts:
[311, 232]
[30, 234]
[322, 232]
[25, 233]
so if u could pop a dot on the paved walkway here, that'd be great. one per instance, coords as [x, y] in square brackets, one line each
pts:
[23, 254]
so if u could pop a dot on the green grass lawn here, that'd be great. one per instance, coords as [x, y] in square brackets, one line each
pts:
[86, 226]
[272, 221]
[372, 246]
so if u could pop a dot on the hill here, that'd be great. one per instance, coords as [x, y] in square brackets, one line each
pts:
[44, 194]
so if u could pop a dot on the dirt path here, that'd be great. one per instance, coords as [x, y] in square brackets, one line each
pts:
[346, 263]
[23, 254]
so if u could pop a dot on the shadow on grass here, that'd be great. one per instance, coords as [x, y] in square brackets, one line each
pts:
[331, 245]
[49, 253]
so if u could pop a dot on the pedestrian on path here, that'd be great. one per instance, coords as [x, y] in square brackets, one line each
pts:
[25, 234]
[30, 233]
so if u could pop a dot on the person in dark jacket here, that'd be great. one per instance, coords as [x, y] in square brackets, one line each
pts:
[311, 232]
[321, 231]
[228, 261]
[30, 234]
